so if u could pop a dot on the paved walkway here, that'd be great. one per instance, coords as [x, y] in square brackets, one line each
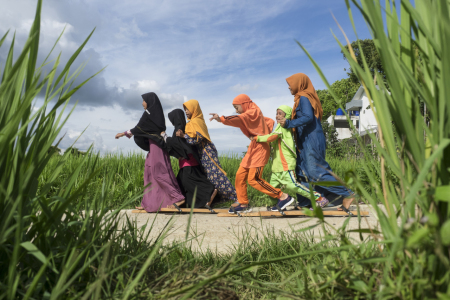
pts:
[222, 233]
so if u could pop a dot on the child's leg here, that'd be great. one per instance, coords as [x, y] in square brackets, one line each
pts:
[275, 180]
[256, 181]
[291, 183]
[276, 183]
[241, 185]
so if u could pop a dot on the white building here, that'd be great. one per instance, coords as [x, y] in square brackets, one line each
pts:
[360, 114]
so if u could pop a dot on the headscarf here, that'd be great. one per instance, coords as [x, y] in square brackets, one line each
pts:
[284, 133]
[252, 117]
[176, 146]
[196, 122]
[301, 85]
[151, 124]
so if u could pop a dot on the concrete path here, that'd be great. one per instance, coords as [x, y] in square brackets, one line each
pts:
[209, 232]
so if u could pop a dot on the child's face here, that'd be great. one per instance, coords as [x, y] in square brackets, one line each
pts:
[188, 113]
[280, 115]
[238, 108]
[144, 104]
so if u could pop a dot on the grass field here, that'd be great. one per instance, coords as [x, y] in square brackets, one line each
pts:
[127, 172]
[60, 236]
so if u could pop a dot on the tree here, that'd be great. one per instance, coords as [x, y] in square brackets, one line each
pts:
[333, 145]
[54, 150]
[75, 151]
[371, 55]
[344, 89]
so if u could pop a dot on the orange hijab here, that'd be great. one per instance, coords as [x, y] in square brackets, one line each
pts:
[301, 85]
[254, 121]
[196, 122]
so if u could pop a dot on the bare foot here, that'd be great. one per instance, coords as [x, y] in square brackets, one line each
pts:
[213, 195]
[177, 203]
[346, 203]
[139, 208]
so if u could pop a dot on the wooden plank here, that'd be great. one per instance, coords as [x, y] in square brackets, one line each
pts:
[184, 210]
[330, 213]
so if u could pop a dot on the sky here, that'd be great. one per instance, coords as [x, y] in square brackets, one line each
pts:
[197, 49]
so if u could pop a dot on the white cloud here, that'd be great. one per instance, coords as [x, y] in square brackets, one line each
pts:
[181, 50]
[129, 31]
[242, 88]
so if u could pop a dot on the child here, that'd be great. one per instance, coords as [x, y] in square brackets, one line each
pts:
[252, 123]
[164, 190]
[284, 159]
[197, 134]
[305, 122]
[191, 177]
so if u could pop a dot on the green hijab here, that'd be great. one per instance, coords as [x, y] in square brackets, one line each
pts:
[286, 133]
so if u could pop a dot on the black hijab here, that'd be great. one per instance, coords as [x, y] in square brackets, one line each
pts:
[176, 146]
[151, 124]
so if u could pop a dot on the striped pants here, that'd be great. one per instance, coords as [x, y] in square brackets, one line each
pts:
[289, 183]
[254, 177]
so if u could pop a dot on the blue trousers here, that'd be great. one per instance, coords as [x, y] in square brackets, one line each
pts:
[335, 194]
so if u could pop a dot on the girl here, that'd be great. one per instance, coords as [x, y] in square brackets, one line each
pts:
[164, 190]
[191, 176]
[310, 140]
[252, 123]
[284, 159]
[197, 134]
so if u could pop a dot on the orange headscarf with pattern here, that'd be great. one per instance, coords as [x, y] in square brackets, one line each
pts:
[196, 122]
[301, 85]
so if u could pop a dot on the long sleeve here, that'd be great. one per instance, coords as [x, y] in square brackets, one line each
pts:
[194, 140]
[268, 138]
[304, 115]
[234, 121]
[128, 134]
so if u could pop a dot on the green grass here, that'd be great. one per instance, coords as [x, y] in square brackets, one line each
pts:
[59, 238]
[127, 173]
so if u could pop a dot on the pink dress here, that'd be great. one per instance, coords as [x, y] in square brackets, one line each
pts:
[164, 189]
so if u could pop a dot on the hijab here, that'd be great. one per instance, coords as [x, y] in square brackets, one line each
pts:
[151, 124]
[301, 85]
[196, 122]
[252, 117]
[176, 146]
[285, 133]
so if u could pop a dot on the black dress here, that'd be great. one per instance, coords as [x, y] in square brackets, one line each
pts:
[191, 179]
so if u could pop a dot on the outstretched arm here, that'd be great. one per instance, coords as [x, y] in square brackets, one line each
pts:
[268, 138]
[127, 133]
[215, 117]
[234, 121]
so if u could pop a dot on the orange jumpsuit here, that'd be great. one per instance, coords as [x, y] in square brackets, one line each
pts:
[252, 123]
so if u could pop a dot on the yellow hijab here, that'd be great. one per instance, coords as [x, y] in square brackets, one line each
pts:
[196, 122]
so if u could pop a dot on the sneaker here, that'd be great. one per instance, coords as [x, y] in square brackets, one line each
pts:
[321, 202]
[282, 204]
[240, 209]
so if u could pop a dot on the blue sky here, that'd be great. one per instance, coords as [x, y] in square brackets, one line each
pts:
[205, 50]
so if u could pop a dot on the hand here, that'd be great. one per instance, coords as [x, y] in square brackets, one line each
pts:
[162, 133]
[282, 122]
[119, 135]
[180, 133]
[215, 117]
